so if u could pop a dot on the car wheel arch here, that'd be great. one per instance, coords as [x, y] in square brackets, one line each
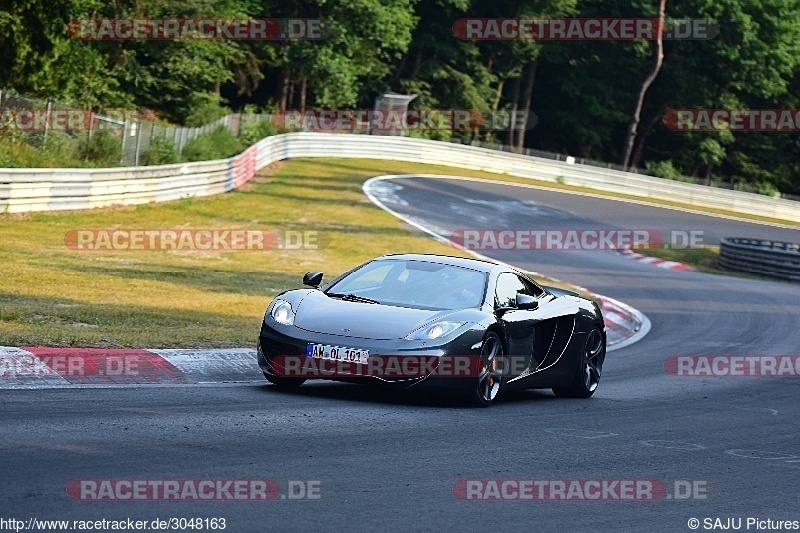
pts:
[497, 330]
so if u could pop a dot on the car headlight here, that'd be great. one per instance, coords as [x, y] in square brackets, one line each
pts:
[282, 313]
[434, 331]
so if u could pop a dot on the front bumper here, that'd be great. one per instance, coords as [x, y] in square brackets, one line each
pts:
[280, 343]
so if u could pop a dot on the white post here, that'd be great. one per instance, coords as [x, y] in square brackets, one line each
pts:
[46, 124]
[122, 150]
[138, 145]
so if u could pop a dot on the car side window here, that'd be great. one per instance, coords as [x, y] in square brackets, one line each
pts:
[532, 288]
[508, 285]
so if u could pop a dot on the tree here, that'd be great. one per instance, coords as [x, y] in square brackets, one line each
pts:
[659, 58]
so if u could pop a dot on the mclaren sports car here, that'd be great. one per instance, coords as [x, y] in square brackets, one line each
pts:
[470, 327]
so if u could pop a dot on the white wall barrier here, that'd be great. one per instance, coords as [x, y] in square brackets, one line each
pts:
[23, 190]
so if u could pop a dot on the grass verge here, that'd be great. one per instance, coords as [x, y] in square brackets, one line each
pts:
[55, 296]
[703, 259]
[52, 295]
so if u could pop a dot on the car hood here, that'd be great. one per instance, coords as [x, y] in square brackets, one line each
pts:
[319, 313]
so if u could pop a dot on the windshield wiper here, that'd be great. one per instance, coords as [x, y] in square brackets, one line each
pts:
[352, 298]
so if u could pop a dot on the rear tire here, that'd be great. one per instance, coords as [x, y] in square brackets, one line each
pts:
[587, 378]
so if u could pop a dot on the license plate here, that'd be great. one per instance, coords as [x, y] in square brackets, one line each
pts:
[337, 353]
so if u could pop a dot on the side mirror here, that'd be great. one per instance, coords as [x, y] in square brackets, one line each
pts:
[523, 302]
[528, 302]
[312, 279]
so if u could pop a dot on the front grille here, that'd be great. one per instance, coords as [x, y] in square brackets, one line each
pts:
[273, 349]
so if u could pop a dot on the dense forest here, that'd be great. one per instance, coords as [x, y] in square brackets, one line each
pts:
[588, 97]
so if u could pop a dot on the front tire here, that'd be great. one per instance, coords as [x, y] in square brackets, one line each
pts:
[587, 378]
[485, 388]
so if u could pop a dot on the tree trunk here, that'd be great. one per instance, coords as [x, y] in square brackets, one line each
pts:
[634, 125]
[283, 89]
[498, 97]
[512, 127]
[291, 92]
[526, 110]
[417, 65]
[636, 159]
[495, 106]
[303, 90]
[398, 73]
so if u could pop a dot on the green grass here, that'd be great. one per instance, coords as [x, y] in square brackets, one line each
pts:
[703, 259]
[56, 296]
[17, 154]
[52, 295]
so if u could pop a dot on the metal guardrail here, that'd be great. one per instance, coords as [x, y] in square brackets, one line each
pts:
[136, 136]
[66, 189]
[774, 259]
[737, 186]
[24, 190]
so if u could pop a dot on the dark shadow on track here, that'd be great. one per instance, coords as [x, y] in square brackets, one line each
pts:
[417, 398]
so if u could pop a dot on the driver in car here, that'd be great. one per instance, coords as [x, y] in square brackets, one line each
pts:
[457, 285]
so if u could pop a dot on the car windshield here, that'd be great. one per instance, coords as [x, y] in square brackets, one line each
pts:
[412, 283]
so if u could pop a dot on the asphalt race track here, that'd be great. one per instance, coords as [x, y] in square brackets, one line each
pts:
[389, 462]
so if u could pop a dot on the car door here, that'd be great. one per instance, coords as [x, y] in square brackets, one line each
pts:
[553, 324]
[519, 324]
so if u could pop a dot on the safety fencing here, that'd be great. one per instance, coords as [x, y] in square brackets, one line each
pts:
[55, 126]
[23, 190]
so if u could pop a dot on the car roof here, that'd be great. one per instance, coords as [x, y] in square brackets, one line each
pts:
[465, 262]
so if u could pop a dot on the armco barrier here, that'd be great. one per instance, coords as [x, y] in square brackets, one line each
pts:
[24, 190]
[775, 259]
